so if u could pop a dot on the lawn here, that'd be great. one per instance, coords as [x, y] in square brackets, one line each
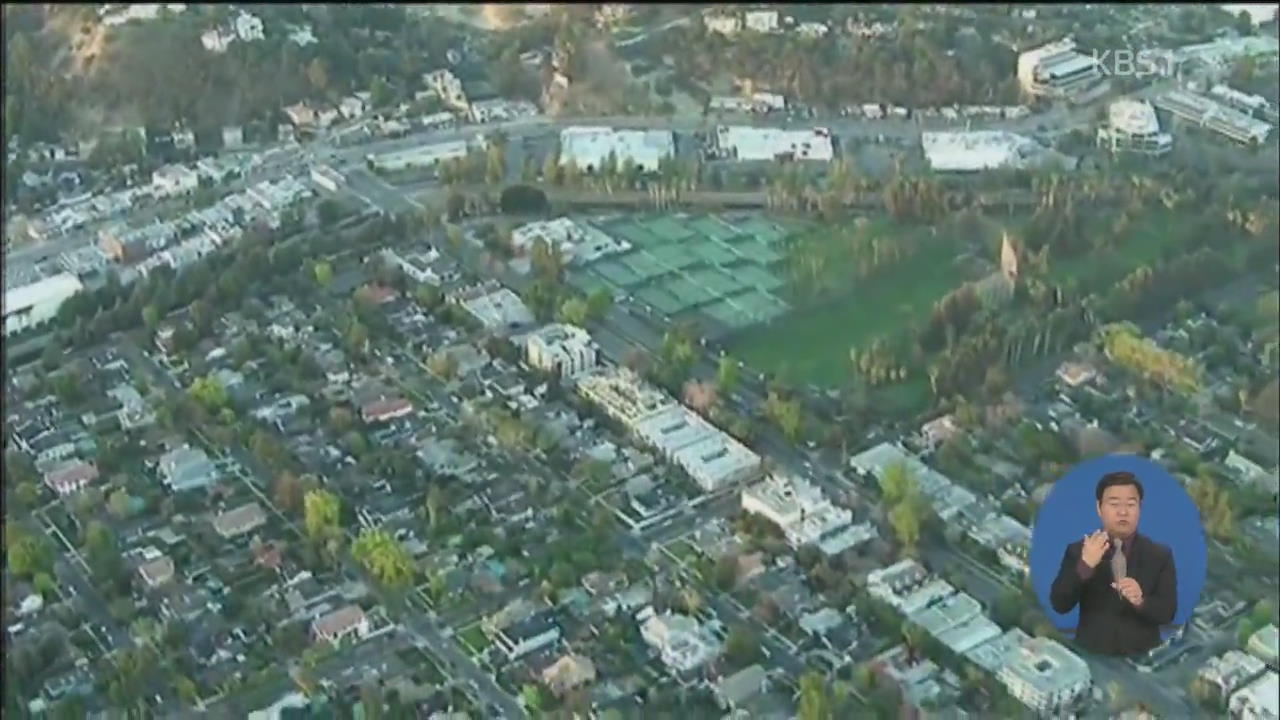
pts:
[813, 344]
[474, 638]
[1146, 240]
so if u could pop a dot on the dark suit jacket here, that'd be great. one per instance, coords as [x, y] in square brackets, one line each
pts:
[1109, 624]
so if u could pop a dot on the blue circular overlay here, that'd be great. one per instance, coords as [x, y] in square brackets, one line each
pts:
[1169, 516]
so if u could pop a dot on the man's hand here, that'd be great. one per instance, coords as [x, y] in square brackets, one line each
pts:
[1129, 590]
[1095, 546]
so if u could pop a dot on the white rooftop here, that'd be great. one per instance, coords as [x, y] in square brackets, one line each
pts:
[589, 147]
[980, 150]
[50, 289]
[744, 142]
[1134, 117]
[501, 308]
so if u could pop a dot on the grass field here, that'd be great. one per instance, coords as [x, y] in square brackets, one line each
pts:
[813, 344]
[1145, 242]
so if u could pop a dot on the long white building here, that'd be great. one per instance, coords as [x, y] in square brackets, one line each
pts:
[1056, 70]
[1212, 115]
[977, 150]
[423, 156]
[34, 304]
[1132, 126]
[710, 456]
[563, 350]
[805, 515]
[743, 142]
[590, 147]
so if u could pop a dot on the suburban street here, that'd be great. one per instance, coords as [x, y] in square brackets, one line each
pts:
[418, 623]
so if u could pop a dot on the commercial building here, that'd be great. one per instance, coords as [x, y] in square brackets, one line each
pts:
[423, 156]
[1253, 105]
[1041, 673]
[496, 307]
[711, 458]
[743, 142]
[979, 150]
[327, 177]
[563, 350]
[804, 514]
[589, 148]
[1229, 672]
[36, 303]
[1259, 700]
[1056, 70]
[1132, 126]
[1263, 644]
[1212, 115]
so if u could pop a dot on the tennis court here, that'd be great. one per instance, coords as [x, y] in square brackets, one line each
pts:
[704, 268]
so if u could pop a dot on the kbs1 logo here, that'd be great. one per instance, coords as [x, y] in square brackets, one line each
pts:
[1135, 64]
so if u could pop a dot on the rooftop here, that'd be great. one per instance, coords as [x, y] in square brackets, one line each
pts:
[981, 150]
[744, 142]
[590, 147]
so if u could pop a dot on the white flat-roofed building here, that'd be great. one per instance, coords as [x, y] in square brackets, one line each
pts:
[681, 641]
[1210, 114]
[36, 303]
[174, 180]
[797, 506]
[723, 24]
[1259, 13]
[327, 177]
[761, 21]
[710, 456]
[1259, 700]
[1263, 644]
[1039, 672]
[1056, 70]
[248, 27]
[1132, 126]
[590, 147]
[947, 498]
[417, 266]
[564, 350]
[744, 142]
[496, 307]
[423, 156]
[1230, 671]
[977, 150]
[957, 621]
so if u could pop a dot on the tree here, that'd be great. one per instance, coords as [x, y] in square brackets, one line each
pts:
[742, 646]
[318, 74]
[324, 273]
[320, 514]
[384, 558]
[815, 698]
[209, 393]
[436, 500]
[574, 311]
[598, 304]
[27, 554]
[288, 491]
[120, 504]
[728, 374]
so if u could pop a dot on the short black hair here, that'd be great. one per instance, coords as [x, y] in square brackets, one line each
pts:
[1119, 477]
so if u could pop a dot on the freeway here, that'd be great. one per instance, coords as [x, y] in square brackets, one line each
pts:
[457, 663]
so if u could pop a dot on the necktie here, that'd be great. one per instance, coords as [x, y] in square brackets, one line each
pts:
[1118, 562]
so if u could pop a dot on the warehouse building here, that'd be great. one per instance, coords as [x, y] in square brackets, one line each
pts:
[36, 303]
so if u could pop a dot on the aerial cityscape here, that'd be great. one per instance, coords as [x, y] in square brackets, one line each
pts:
[610, 361]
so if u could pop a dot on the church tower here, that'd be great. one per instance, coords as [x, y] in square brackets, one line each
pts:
[1008, 258]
